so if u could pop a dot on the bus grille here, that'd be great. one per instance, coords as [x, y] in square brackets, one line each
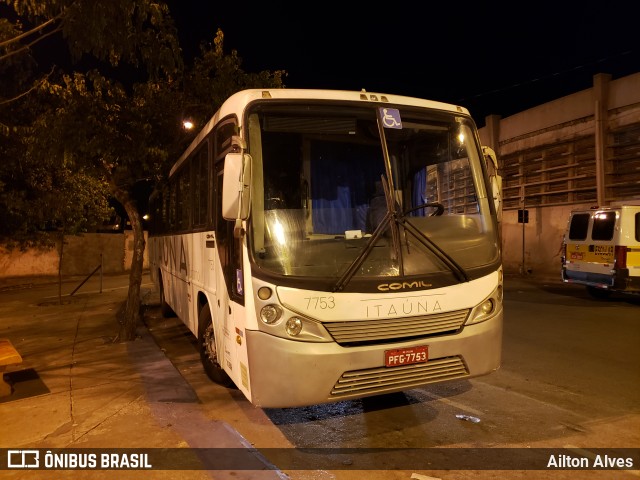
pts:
[374, 331]
[375, 381]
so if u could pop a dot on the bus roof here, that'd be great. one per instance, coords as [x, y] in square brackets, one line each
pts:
[239, 100]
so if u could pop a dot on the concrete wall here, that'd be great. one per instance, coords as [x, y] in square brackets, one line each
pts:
[567, 117]
[81, 255]
[540, 252]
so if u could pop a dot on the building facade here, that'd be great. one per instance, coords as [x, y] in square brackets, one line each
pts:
[578, 151]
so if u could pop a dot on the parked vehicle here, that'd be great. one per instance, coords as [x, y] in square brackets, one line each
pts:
[329, 245]
[602, 249]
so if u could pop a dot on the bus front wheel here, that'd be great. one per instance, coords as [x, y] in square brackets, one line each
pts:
[208, 350]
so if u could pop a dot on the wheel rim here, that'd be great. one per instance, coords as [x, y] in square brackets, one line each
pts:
[209, 343]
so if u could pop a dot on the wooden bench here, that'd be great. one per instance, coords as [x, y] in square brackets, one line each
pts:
[8, 356]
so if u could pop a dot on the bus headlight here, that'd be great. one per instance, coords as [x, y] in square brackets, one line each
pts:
[270, 314]
[487, 306]
[487, 309]
[294, 326]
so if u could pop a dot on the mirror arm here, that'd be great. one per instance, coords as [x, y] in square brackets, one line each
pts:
[495, 178]
[238, 230]
[238, 141]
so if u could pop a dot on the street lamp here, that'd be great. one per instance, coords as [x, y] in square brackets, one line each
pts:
[187, 124]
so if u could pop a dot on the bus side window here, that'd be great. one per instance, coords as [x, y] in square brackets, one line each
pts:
[220, 223]
[200, 182]
[172, 206]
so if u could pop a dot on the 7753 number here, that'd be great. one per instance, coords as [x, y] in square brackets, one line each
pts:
[322, 303]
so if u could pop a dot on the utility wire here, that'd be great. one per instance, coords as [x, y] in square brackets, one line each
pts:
[545, 77]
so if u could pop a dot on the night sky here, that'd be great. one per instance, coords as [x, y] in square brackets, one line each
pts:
[499, 58]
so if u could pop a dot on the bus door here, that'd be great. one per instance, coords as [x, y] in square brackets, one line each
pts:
[229, 307]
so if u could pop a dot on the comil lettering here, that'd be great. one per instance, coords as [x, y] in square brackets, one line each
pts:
[388, 287]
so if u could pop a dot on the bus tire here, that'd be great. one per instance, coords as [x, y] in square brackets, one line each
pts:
[208, 350]
[166, 310]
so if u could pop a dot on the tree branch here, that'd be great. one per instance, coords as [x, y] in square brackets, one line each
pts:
[4, 102]
[29, 45]
[32, 31]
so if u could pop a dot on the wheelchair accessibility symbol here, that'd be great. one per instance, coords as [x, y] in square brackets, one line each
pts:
[390, 117]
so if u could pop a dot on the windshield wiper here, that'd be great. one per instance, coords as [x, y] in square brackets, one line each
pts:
[447, 259]
[364, 253]
[386, 221]
[393, 219]
[401, 219]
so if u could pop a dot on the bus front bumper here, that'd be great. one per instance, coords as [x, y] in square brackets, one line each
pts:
[285, 373]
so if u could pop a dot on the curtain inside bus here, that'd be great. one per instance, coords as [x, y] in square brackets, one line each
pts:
[342, 178]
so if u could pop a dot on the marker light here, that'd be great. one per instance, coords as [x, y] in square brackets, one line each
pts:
[264, 293]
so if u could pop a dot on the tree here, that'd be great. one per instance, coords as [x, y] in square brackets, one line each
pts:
[215, 76]
[136, 32]
[92, 118]
[125, 133]
[120, 136]
[42, 196]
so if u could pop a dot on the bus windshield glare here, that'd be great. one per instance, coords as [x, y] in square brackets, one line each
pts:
[343, 192]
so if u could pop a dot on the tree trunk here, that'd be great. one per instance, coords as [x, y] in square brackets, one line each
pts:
[129, 317]
[60, 256]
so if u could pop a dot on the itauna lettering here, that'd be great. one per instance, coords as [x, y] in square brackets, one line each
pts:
[173, 260]
[388, 287]
[403, 307]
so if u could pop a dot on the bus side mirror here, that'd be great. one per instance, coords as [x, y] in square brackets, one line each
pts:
[236, 186]
[495, 180]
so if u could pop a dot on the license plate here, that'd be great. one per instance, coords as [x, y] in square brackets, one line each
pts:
[405, 356]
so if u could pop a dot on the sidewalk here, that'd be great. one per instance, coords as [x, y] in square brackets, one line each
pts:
[77, 389]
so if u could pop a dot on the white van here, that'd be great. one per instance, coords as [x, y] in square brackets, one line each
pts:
[602, 249]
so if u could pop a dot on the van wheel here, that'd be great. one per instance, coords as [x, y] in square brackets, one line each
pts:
[208, 350]
[598, 292]
[166, 310]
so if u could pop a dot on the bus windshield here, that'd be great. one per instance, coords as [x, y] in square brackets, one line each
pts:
[344, 193]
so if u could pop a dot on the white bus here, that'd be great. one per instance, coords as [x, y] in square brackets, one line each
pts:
[331, 245]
